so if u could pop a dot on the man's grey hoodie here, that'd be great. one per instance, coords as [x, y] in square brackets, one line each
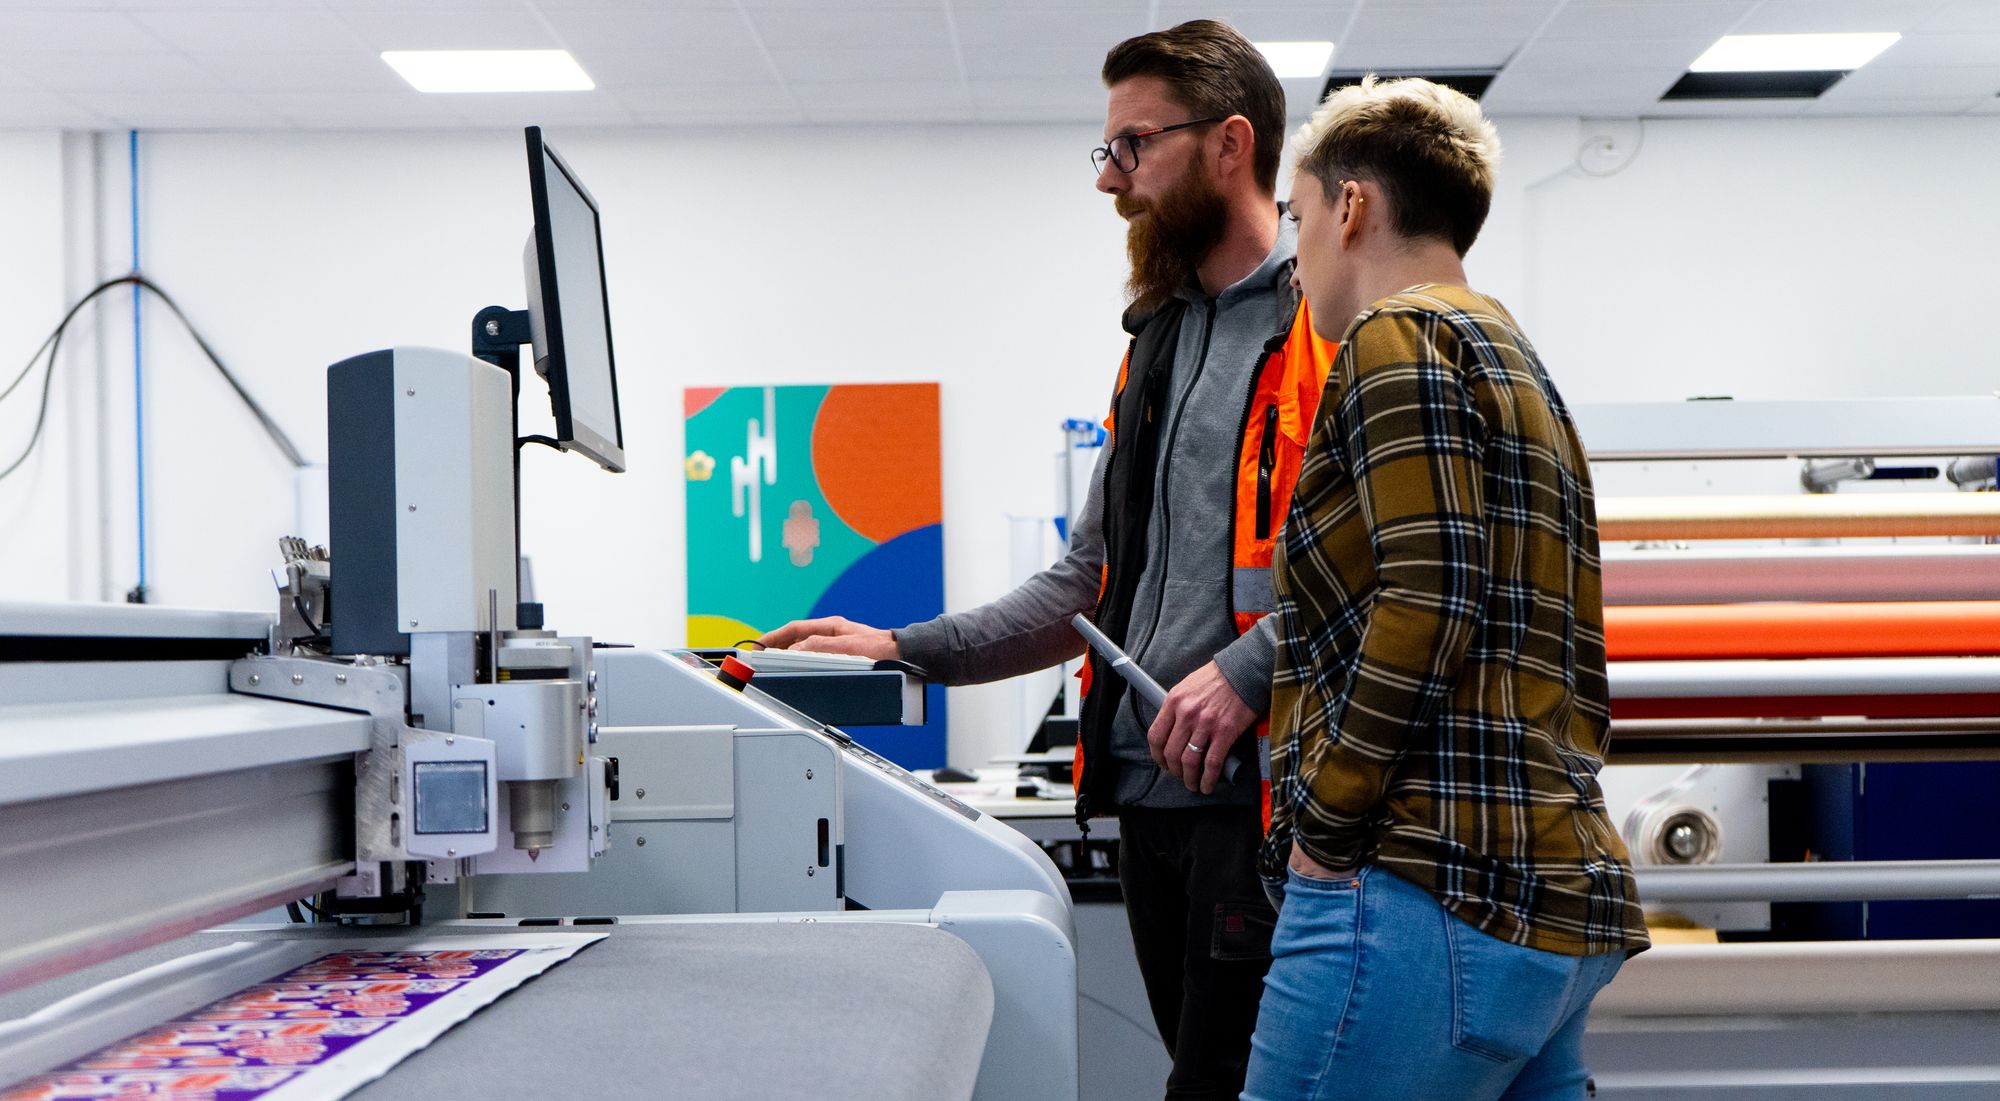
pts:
[1181, 609]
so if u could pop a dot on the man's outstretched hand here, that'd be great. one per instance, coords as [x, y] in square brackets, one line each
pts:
[835, 635]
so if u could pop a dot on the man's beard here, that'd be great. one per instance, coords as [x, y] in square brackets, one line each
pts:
[1175, 234]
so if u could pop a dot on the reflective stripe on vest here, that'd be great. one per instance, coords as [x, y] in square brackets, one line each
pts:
[1250, 588]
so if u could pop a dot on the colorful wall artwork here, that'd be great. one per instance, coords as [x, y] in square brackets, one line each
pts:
[810, 501]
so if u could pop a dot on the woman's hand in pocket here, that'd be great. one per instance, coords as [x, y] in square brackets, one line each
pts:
[1313, 869]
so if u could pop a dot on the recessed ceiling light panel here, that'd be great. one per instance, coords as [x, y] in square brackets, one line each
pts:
[1295, 60]
[489, 70]
[1771, 53]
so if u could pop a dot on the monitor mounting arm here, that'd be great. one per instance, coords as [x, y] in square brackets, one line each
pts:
[497, 336]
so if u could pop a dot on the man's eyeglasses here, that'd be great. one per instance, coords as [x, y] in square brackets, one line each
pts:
[1123, 150]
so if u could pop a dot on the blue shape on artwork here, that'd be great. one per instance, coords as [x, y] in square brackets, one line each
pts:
[899, 582]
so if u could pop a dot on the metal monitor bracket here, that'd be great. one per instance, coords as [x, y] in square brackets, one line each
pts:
[497, 336]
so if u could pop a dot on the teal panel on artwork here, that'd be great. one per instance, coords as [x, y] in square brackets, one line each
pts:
[723, 580]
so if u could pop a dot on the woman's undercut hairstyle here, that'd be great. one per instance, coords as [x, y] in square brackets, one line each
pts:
[1214, 72]
[1427, 146]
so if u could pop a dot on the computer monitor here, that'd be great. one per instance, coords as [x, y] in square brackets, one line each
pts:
[569, 314]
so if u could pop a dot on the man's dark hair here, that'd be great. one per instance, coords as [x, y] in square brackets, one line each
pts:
[1212, 71]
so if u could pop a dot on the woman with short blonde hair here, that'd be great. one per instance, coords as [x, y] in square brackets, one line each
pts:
[1452, 893]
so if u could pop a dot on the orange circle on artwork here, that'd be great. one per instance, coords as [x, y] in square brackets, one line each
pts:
[875, 452]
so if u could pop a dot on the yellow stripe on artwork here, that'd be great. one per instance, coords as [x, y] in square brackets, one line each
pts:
[715, 632]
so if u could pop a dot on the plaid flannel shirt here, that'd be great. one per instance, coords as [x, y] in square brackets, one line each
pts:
[1440, 704]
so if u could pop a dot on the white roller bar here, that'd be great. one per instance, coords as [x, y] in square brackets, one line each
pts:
[1871, 428]
[1819, 881]
[1643, 680]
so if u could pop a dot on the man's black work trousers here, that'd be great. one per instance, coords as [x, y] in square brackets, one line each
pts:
[1202, 929]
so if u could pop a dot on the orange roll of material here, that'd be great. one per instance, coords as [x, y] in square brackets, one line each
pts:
[1805, 516]
[1681, 632]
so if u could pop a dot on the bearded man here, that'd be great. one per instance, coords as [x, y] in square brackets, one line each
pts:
[1172, 553]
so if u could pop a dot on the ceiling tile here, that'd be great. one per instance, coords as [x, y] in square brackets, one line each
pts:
[1586, 53]
[864, 29]
[1913, 82]
[702, 99]
[179, 110]
[26, 107]
[1427, 54]
[814, 66]
[452, 30]
[837, 5]
[716, 120]
[466, 8]
[1302, 95]
[1083, 95]
[1726, 108]
[221, 32]
[887, 95]
[313, 63]
[1179, 11]
[957, 112]
[335, 71]
[1835, 16]
[1939, 49]
[551, 7]
[1963, 16]
[1454, 5]
[1578, 87]
[1065, 63]
[1893, 106]
[1706, 21]
[513, 109]
[633, 30]
[1273, 24]
[1092, 32]
[164, 72]
[184, 5]
[1512, 22]
[1055, 113]
[1135, 8]
[100, 32]
[619, 69]
[358, 110]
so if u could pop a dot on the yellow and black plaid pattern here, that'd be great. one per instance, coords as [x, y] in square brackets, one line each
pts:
[1440, 703]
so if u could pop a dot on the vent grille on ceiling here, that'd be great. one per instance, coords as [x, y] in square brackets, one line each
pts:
[1473, 82]
[1791, 84]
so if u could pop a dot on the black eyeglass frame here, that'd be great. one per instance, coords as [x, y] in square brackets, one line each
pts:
[1108, 152]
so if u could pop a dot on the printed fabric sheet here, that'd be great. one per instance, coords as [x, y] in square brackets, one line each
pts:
[318, 1029]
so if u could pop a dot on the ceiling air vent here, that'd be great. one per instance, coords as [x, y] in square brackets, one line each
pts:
[1473, 82]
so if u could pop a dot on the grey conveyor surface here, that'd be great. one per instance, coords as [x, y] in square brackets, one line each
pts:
[721, 1010]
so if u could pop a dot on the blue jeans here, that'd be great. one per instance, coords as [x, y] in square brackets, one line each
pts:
[1376, 992]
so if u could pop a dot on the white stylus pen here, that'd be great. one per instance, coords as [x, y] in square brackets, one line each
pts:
[1140, 680]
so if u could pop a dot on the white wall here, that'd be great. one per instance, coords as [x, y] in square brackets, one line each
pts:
[1771, 259]
[1776, 258]
[42, 518]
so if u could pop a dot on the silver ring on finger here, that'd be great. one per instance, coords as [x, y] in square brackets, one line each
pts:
[1192, 748]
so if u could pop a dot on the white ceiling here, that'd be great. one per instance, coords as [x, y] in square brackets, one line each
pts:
[312, 64]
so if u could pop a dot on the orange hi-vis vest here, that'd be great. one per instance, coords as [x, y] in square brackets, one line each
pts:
[1271, 443]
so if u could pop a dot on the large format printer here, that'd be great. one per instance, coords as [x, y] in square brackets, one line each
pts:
[403, 743]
